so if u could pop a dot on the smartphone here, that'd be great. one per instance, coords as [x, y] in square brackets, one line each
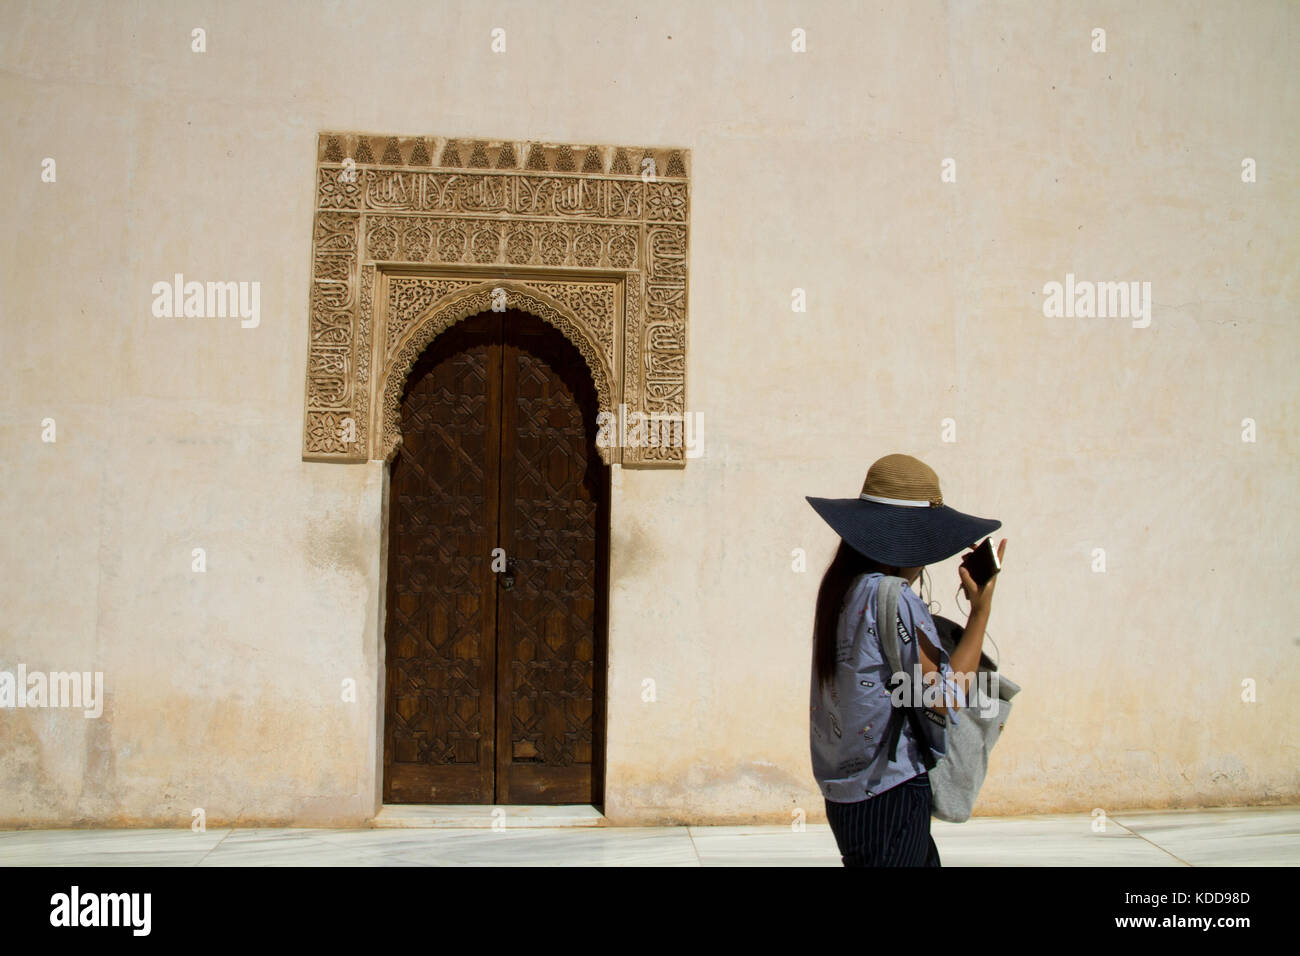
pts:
[982, 563]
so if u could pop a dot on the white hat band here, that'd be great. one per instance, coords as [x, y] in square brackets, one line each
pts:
[905, 502]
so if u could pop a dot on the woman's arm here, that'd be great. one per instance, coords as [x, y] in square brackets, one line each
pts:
[965, 657]
[930, 672]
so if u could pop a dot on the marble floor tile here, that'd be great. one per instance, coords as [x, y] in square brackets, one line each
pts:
[1048, 840]
[766, 846]
[586, 846]
[622, 846]
[291, 847]
[180, 847]
[1221, 836]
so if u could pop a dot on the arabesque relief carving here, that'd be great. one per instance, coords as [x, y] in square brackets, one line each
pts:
[590, 239]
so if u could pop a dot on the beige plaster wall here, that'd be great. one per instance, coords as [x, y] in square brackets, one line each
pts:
[818, 171]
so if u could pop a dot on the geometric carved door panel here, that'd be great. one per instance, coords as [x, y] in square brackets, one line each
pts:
[496, 678]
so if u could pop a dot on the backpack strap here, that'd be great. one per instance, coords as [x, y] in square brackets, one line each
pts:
[886, 618]
[887, 624]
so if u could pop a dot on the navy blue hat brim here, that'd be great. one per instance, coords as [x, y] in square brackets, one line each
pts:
[900, 536]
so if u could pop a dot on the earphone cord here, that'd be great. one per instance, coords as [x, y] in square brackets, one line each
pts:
[935, 607]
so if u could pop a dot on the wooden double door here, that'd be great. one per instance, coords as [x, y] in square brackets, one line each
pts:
[498, 538]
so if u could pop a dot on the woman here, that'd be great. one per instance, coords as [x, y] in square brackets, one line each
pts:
[878, 807]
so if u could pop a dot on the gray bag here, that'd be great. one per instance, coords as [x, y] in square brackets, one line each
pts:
[956, 778]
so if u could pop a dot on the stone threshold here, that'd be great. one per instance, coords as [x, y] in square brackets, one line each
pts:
[429, 816]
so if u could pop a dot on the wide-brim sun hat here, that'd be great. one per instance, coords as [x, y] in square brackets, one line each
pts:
[900, 519]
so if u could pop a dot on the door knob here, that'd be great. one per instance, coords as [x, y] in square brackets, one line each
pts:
[508, 575]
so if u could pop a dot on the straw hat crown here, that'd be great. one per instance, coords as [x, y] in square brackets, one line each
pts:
[904, 477]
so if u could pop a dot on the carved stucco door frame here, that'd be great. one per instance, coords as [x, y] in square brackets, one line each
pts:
[406, 245]
[591, 239]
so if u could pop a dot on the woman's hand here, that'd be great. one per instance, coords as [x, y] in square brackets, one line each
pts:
[981, 598]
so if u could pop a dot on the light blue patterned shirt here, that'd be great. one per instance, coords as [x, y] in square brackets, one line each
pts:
[850, 719]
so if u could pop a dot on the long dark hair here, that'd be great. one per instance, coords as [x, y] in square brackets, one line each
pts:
[844, 567]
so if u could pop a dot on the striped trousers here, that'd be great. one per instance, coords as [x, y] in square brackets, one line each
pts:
[889, 829]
